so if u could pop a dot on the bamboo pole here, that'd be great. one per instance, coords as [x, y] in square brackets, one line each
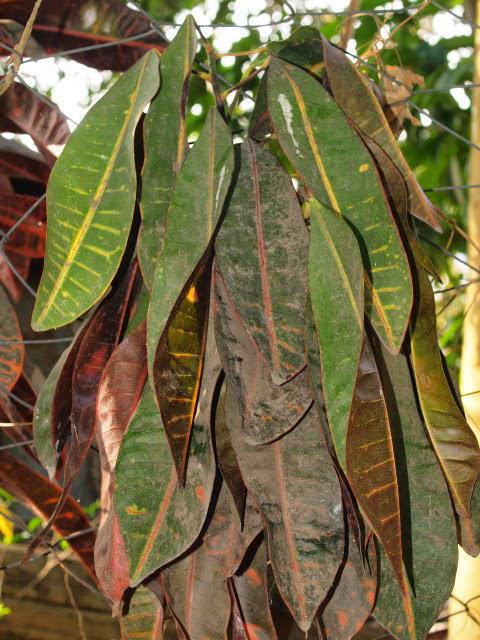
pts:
[465, 626]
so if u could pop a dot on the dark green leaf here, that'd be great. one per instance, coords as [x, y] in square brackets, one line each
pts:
[144, 618]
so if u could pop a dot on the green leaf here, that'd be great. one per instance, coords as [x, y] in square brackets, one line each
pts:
[336, 292]
[352, 92]
[372, 468]
[197, 203]
[144, 618]
[166, 145]
[159, 519]
[90, 200]
[452, 439]
[261, 253]
[336, 166]
[429, 538]
[304, 524]
[304, 48]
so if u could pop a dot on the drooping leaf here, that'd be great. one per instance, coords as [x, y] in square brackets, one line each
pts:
[160, 519]
[192, 219]
[74, 24]
[90, 200]
[352, 596]
[251, 617]
[303, 47]
[12, 351]
[197, 593]
[261, 253]
[21, 111]
[144, 618]
[336, 292]
[42, 495]
[166, 145]
[18, 160]
[178, 366]
[352, 93]
[372, 468]
[304, 524]
[453, 441]
[227, 536]
[268, 410]
[430, 549]
[339, 170]
[120, 390]
[28, 238]
[8, 278]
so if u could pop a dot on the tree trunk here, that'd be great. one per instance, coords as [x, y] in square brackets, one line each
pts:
[467, 584]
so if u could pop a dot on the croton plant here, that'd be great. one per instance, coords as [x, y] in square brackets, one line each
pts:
[260, 371]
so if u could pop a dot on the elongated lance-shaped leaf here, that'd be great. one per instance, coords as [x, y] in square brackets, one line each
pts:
[261, 253]
[178, 366]
[120, 390]
[337, 167]
[90, 200]
[372, 468]
[304, 524]
[12, 352]
[144, 618]
[160, 519]
[352, 92]
[347, 606]
[268, 410]
[192, 220]
[197, 593]
[41, 495]
[227, 536]
[251, 617]
[335, 279]
[166, 145]
[453, 441]
[429, 533]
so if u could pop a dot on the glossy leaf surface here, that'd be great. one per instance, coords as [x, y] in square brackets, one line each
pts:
[372, 468]
[268, 410]
[342, 175]
[261, 253]
[90, 200]
[336, 293]
[165, 140]
[304, 525]
[453, 441]
[192, 219]
[355, 97]
[429, 534]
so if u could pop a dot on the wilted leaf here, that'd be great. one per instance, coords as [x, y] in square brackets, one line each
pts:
[251, 617]
[342, 175]
[90, 200]
[191, 223]
[304, 524]
[159, 519]
[268, 410]
[73, 24]
[166, 145]
[336, 292]
[429, 535]
[261, 254]
[452, 439]
[144, 618]
[372, 467]
[178, 366]
[41, 496]
[398, 83]
[120, 390]
[355, 97]
[197, 593]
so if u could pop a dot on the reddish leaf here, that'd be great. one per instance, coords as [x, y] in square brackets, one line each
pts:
[42, 495]
[12, 354]
[29, 237]
[371, 466]
[178, 366]
[18, 161]
[145, 616]
[251, 617]
[72, 24]
[118, 395]
[8, 278]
